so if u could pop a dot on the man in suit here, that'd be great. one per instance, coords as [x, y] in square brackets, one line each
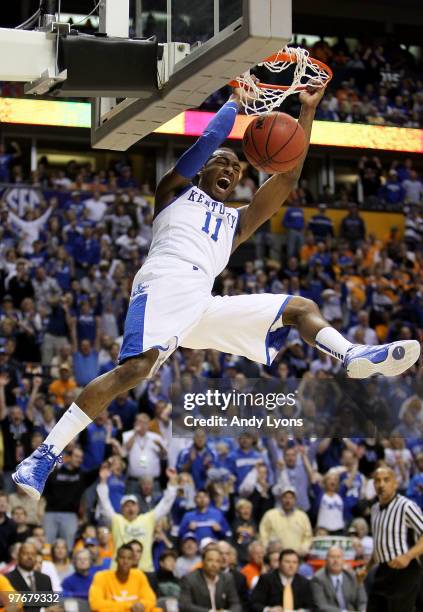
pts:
[25, 578]
[282, 589]
[240, 581]
[207, 588]
[334, 588]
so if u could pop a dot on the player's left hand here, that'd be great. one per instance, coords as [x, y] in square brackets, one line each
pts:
[311, 96]
[400, 562]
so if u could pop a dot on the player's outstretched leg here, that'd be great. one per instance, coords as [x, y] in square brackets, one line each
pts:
[32, 473]
[360, 360]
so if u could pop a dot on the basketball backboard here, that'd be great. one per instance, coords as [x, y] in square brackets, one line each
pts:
[203, 45]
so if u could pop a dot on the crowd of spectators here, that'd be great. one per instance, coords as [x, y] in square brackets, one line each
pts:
[132, 501]
[377, 83]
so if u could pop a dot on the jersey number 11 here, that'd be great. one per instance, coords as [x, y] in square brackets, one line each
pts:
[206, 226]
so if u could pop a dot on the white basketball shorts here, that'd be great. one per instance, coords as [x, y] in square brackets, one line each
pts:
[174, 308]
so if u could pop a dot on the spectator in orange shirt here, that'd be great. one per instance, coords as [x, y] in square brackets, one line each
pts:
[62, 385]
[5, 604]
[308, 249]
[124, 589]
[253, 570]
[105, 540]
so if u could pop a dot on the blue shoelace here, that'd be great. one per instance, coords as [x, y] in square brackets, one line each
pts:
[42, 468]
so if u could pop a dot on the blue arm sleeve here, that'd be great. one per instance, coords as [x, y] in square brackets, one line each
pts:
[216, 132]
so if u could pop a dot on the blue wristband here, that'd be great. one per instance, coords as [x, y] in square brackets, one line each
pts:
[216, 132]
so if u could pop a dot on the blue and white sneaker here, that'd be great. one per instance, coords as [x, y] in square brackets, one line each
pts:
[362, 361]
[32, 473]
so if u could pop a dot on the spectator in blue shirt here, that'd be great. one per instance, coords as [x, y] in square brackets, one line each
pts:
[126, 179]
[392, 192]
[110, 365]
[320, 225]
[244, 459]
[204, 521]
[85, 360]
[293, 222]
[78, 584]
[86, 250]
[197, 459]
[351, 484]
[93, 442]
[415, 490]
[87, 323]
[125, 408]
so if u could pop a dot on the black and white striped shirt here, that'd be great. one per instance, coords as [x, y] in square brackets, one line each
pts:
[395, 527]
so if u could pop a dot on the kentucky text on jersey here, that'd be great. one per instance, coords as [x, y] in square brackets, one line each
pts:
[216, 207]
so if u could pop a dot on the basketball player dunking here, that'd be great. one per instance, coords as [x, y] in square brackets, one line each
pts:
[171, 305]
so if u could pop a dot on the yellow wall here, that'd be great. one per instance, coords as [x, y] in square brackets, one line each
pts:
[377, 223]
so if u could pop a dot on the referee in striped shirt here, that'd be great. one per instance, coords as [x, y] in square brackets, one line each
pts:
[397, 526]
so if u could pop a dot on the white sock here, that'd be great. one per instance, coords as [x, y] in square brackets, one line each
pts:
[67, 428]
[331, 342]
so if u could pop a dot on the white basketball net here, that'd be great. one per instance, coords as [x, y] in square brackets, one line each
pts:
[260, 100]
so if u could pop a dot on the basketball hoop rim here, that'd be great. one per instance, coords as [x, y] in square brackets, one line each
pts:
[292, 58]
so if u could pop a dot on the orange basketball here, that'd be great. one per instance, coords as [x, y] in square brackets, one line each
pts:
[274, 143]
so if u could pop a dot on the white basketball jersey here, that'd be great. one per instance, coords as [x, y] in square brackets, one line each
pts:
[194, 229]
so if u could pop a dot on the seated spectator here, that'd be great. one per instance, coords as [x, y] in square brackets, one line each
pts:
[240, 581]
[97, 561]
[105, 541]
[255, 566]
[167, 581]
[5, 589]
[204, 521]
[287, 524]
[8, 529]
[62, 385]
[244, 529]
[112, 589]
[60, 558]
[77, 584]
[359, 530]
[283, 588]
[335, 588]
[25, 577]
[23, 531]
[208, 588]
[189, 557]
[131, 524]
